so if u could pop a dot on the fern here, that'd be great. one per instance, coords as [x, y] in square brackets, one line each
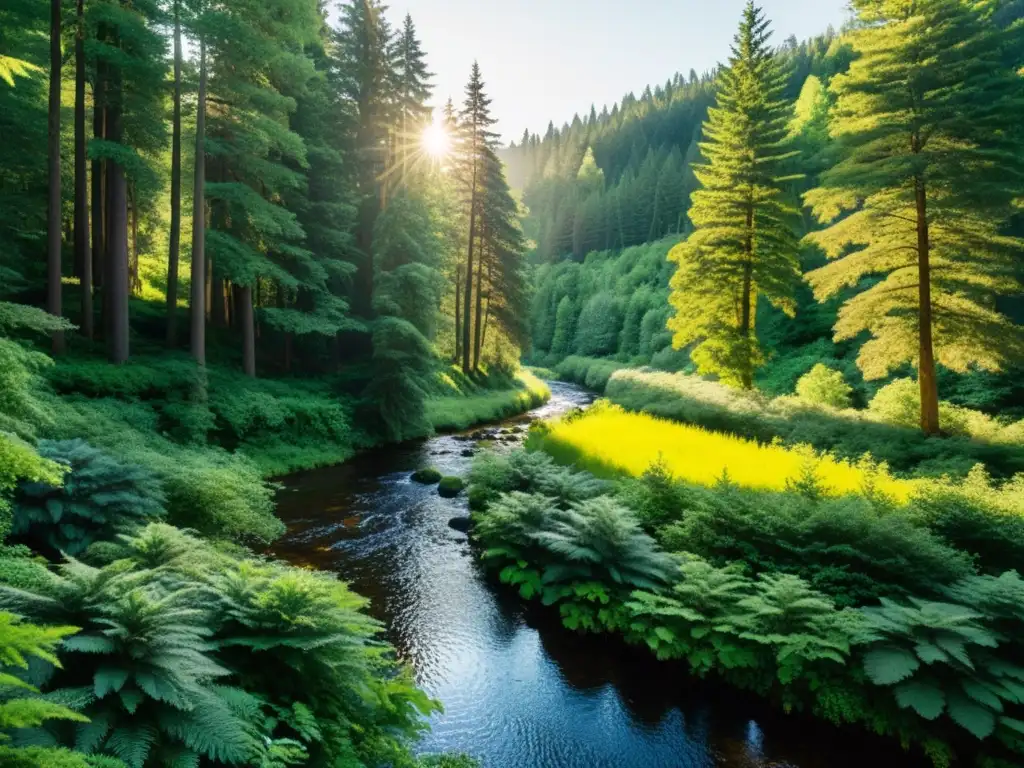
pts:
[98, 498]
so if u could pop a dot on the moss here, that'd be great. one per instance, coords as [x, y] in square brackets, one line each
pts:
[450, 487]
[426, 476]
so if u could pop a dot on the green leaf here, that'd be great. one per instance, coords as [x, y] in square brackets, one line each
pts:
[109, 680]
[971, 716]
[889, 665]
[924, 698]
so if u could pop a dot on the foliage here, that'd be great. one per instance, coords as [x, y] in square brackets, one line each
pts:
[744, 243]
[187, 650]
[493, 474]
[97, 498]
[927, 168]
[824, 386]
[473, 404]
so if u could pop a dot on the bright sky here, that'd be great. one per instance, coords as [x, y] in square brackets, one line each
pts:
[547, 59]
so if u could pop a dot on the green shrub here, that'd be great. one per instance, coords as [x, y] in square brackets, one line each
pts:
[465, 406]
[98, 498]
[426, 476]
[188, 654]
[824, 386]
[531, 472]
[589, 372]
[449, 487]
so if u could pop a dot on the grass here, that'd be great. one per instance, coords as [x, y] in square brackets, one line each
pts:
[610, 441]
[463, 410]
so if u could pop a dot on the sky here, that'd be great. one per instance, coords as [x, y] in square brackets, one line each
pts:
[545, 60]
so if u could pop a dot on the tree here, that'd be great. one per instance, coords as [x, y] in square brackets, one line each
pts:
[744, 246]
[477, 142]
[197, 300]
[364, 58]
[413, 90]
[53, 218]
[931, 160]
[83, 255]
[174, 238]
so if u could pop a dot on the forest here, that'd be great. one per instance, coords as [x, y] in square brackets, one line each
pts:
[243, 239]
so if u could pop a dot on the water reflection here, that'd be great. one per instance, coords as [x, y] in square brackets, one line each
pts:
[519, 690]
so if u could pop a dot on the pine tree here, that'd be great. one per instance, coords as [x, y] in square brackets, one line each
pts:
[413, 90]
[83, 254]
[365, 64]
[931, 160]
[744, 246]
[476, 145]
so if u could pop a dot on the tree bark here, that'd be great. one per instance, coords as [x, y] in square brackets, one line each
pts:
[926, 355]
[83, 256]
[458, 313]
[245, 317]
[115, 286]
[468, 291]
[53, 219]
[175, 234]
[478, 322]
[747, 374]
[218, 310]
[197, 310]
[99, 219]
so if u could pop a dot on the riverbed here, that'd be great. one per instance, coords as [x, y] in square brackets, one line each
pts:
[518, 690]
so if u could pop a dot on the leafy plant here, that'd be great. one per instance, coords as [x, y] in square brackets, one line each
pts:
[98, 498]
[941, 658]
[824, 386]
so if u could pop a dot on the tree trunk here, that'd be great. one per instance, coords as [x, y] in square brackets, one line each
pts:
[478, 322]
[99, 173]
[134, 284]
[175, 234]
[926, 360]
[83, 256]
[53, 219]
[747, 374]
[245, 317]
[468, 291]
[115, 286]
[487, 312]
[197, 310]
[458, 313]
[218, 310]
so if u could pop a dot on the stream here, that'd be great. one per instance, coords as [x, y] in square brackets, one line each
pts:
[518, 690]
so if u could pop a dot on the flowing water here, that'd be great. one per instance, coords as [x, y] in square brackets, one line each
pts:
[518, 690]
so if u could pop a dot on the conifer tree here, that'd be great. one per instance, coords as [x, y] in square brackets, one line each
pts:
[83, 254]
[413, 90]
[477, 144]
[927, 132]
[744, 246]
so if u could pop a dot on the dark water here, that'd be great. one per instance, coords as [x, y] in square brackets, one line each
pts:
[519, 691]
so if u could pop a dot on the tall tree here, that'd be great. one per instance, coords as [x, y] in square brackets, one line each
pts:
[413, 90]
[174, 236]
[53, 221]
[197, 301]
[83, 256]
[927, 131]
[744, 245]
[363, 49]
[476, 144]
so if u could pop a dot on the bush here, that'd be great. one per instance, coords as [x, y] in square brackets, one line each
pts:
[188, 652]
[450, 487]
[824, 386]
[465, 406]
[589, 372]
[530, 472]
[98, 498]
[426, 476]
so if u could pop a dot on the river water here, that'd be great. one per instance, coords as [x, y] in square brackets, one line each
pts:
[518, 690]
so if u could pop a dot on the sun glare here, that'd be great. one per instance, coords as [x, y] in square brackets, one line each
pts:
[435, 140]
